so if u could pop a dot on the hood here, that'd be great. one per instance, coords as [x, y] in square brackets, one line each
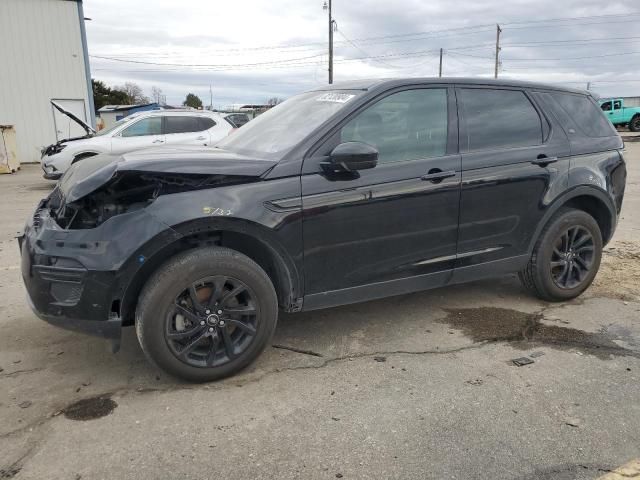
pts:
[87, 128]
[86, 176]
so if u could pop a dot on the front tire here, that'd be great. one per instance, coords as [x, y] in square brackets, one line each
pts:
[634, 124]
[206, 314]
[566, 257]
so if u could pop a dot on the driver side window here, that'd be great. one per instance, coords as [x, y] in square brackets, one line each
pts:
[407, 125]
[146, 126]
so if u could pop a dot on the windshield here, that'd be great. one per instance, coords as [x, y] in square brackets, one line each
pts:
[118, 124]
[279, 129]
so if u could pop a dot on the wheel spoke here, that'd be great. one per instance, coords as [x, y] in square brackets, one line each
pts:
[250, 329]
[211, 358]
[586, 248]
[194, 299]
[232, 294]
[584, 239]
[581, 263]
[218, 290]
[191, 345]
[186, 313]
[578, 272]
[558, 263]
[572, 237]
[228, 343]
[240, 310]
[557, 252]
[564, 275]
[181, 335]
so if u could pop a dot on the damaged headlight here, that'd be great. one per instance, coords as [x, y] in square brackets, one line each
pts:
[53, 149]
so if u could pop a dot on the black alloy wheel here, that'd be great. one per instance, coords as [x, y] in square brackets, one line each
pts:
[572, 257]
[213, 321]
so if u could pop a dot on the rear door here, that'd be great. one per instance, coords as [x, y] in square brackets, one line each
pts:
[392, 222]
[143, 133]
[513, 157]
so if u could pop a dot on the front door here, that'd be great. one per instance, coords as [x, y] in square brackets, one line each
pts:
[143, 133]
[617, 114]
[512, 159]
[393, 228]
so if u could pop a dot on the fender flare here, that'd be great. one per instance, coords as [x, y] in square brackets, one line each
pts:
[577, 191]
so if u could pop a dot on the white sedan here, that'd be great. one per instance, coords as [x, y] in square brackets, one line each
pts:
[137, 131]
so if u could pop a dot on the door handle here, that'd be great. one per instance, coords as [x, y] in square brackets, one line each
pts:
[543, 160]
[436, 175]
[201, 138]
[157, 140]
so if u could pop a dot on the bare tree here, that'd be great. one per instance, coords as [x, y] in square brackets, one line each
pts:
[156, 94]
[275, 101]
[134, 93]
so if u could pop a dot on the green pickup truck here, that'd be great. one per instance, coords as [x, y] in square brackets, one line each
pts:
[620, 115]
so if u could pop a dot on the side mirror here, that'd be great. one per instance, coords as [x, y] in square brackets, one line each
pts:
[353, 156]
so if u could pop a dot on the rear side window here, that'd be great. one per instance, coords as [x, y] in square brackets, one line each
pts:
[206, 123]
[182, 124]
[499, 119]
[585, 114]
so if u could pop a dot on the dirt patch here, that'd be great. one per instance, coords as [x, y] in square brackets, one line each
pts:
[619, 274]
[488, 324]
[90, 408]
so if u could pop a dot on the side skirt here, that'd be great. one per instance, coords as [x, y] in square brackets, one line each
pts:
[418, 283]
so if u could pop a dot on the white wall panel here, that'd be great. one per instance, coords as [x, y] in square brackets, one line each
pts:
[41, 58]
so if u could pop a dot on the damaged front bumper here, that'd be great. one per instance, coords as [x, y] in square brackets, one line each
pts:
[75, 279]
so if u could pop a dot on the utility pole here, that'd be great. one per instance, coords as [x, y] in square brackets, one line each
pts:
[588, 85]
[210, 98]
[440, 71]
[331, 25]
[498, 32]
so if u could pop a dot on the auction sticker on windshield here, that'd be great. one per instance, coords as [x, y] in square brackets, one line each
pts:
[335, 97]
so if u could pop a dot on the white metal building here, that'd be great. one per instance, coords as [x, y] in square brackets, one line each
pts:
[43, 57]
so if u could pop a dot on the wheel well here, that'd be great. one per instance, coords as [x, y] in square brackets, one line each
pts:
[597, 210]
[259, 251]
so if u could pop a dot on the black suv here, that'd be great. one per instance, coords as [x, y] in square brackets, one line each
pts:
[344, 194]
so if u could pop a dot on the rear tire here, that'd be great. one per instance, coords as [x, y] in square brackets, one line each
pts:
[206, 314]
[566, 256]
[634, 124]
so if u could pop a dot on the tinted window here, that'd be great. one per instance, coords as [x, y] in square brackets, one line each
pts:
[206, 123]
[606, 106]
[238, 120]
[404, 126]
[499, 119]
[585, 114]
[182, 124]
[617, 105]
[146, 126]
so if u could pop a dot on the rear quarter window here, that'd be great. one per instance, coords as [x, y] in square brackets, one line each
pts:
[584, 112]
